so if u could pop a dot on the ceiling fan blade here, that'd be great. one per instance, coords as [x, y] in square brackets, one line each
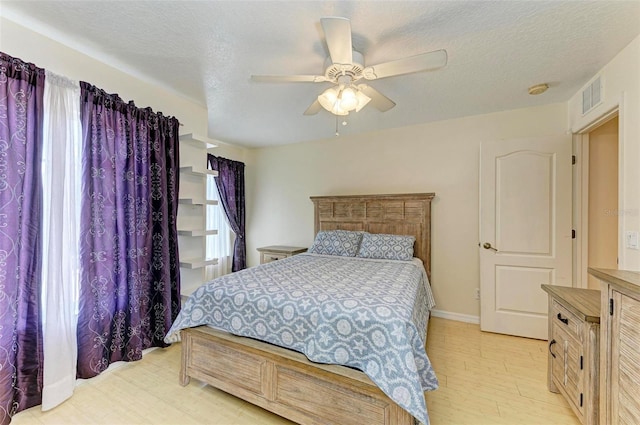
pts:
[424, 62]
[337, 32]
[289, 78]
[378, 100]
[313, 109]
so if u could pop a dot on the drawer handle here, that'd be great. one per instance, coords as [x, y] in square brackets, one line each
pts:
[553, 341]
[563, 319]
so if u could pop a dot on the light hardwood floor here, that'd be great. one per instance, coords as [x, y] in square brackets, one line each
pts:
[484, 379]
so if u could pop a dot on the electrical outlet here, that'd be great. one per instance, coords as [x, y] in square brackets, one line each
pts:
[477, 293]
[631, 239]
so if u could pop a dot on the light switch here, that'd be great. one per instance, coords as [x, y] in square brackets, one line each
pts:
[631, 239]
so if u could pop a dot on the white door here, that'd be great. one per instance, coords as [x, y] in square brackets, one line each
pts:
[525, 231]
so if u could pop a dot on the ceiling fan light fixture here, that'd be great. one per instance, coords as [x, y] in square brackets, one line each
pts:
[340, 101]
[330, 101]
[348, 99]
[339, 111]
[328, 98]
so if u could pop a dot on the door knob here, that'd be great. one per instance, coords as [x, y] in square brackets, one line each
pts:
[487, 245]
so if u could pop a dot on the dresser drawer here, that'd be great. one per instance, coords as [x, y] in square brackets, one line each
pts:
[566, 320]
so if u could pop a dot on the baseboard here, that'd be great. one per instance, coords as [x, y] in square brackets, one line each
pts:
[467, 318]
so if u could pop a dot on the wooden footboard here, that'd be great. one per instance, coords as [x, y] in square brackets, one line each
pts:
[285, 382]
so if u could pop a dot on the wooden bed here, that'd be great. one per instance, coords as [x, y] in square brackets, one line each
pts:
[285, 382]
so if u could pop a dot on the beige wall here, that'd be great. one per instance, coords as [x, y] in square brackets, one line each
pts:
[603, 199]
[621, 89]
[440, 157]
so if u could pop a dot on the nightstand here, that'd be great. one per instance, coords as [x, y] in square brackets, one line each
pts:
[574, 333]
[278, 252]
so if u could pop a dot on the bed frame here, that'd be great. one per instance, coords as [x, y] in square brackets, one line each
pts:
[286, 382]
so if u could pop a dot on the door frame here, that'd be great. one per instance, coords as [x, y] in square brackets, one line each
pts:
[581, 193]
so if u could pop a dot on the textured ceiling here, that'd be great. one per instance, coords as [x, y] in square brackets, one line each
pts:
[207, 50]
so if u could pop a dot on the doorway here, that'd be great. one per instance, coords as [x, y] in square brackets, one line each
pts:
[600, 207]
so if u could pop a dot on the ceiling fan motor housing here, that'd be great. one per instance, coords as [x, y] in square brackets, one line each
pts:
[335, 70]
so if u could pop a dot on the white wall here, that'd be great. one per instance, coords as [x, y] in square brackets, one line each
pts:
[621, 89]
[440, 157]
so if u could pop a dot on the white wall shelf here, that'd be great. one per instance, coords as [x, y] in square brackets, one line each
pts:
[199, 201]
[193, 202]
[196, 171]
[197, 263]
[198, 141]
[197, 232]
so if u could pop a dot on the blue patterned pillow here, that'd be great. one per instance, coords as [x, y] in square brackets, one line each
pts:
[387, 247]
[337, 242]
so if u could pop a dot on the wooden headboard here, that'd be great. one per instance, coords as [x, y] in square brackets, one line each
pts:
[407, 214]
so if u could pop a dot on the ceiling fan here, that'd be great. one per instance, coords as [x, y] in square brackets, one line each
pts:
[345, 69]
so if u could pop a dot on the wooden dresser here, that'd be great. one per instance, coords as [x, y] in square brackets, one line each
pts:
[619, 346]
[573, 365]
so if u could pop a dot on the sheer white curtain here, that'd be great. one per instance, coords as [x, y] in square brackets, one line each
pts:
[218, 246]
[61, 172]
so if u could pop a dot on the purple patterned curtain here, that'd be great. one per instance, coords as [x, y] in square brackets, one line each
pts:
[230, 184]
[129, 281]
[21, 118]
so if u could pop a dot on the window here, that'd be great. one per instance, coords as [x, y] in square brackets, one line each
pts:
[218, 246]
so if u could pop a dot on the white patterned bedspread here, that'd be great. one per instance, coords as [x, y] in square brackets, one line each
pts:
[367, 314]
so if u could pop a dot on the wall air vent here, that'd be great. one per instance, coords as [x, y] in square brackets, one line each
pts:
[592, 95]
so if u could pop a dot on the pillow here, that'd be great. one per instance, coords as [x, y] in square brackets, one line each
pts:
[336, 242]
[387, 247]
